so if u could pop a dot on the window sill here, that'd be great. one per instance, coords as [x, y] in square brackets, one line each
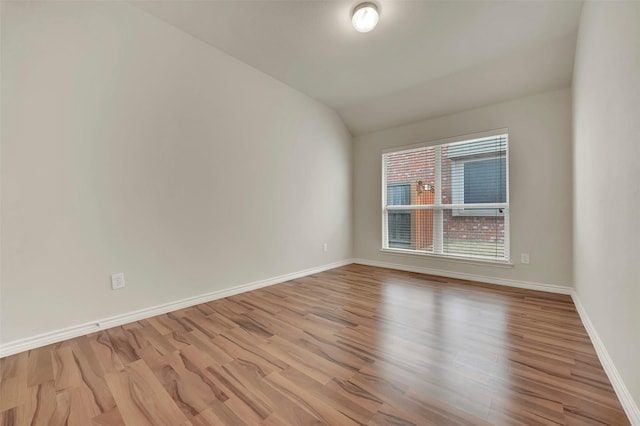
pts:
[482, 262]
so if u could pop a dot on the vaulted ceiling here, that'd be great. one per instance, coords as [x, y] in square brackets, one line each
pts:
[425, 58]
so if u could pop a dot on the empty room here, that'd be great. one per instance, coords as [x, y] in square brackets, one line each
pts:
[319, 212]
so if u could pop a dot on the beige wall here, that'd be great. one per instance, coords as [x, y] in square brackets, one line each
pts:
[540, 185]
[129, 146]
[606, 146]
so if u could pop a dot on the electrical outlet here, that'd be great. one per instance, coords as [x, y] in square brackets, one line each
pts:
[117, 281]
[524, 258]
[325, 247]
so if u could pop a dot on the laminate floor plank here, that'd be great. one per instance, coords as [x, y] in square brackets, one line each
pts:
[354, 345]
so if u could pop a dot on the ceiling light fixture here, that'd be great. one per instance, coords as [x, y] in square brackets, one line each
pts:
[365, 17]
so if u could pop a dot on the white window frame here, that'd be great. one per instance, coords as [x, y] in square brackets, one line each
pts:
[438, 207]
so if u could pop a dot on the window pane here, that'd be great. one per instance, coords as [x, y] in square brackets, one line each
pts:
[399, 221]
[473, 236]
[410, 229]
[398, 194]
[475, 172]
[399, 229]
[412, 165]
[410, 177]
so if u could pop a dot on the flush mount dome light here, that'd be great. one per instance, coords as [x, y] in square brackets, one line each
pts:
[365, 17]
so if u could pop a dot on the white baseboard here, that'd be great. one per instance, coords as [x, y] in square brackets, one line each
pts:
[552, 288]
[628, 404]
[55, 336]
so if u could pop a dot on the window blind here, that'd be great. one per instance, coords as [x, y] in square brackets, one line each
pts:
[449, 199]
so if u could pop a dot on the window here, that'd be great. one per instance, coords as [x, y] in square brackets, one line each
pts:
[478, 175]
[449, 199]
[398, 194]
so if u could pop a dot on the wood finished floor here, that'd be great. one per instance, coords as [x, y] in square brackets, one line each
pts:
[354, 345]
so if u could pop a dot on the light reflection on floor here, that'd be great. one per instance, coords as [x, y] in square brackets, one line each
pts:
[438, 329]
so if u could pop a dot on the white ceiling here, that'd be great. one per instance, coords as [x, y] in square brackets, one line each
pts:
[425, 58]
